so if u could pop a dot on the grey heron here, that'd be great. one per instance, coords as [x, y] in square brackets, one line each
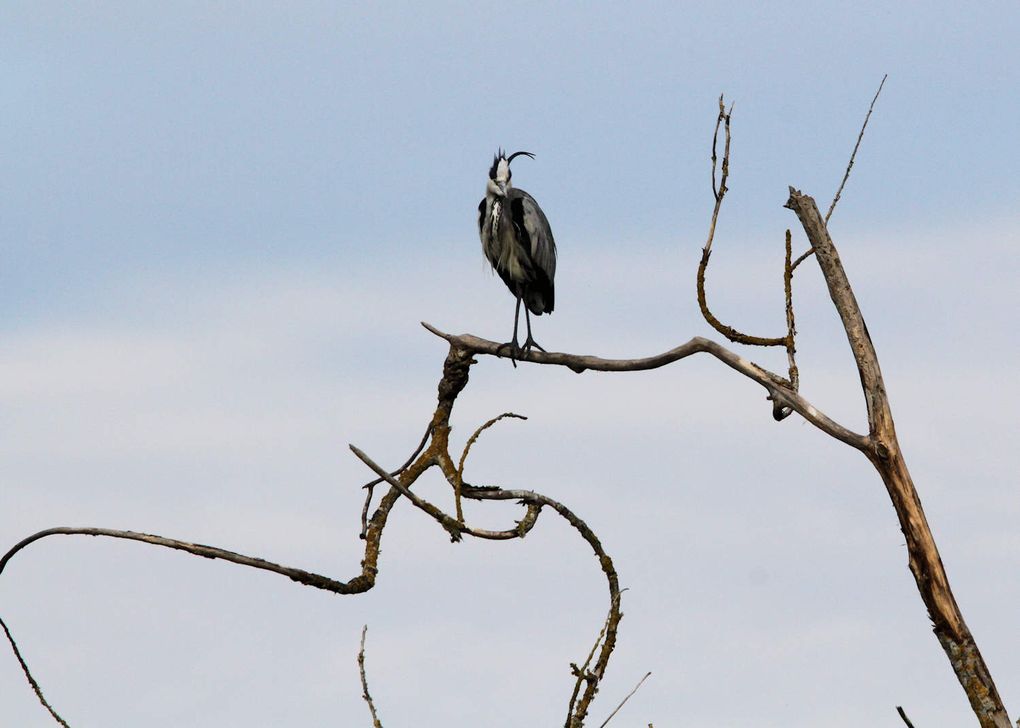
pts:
[519, 246]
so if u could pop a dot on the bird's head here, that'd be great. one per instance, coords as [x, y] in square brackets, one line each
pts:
[499, 173]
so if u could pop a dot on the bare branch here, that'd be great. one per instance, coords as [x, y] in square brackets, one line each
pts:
[582, 672]
[885, 454]
[355, 586]
[370, 486]
[720, 192]
[853, 155]
[364, 680]
[879, 416]
[459, 484]
[447, 522]
[778, 387]
[780, 412]
[801, 258]
[28, 676]
[594, 676]
[622, 702]
[455, 528]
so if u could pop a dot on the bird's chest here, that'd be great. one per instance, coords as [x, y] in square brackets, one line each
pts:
[499, 241]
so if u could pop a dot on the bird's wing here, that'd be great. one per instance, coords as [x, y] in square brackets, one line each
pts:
[529, 216]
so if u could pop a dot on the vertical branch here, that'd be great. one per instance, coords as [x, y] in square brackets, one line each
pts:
[791, 330]
[364, 680]
[780, 411]
[884, 453]
[879, 416]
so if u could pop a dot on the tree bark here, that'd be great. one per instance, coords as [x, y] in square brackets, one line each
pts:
[885, 454]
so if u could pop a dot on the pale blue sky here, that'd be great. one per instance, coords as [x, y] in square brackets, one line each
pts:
[220, 224]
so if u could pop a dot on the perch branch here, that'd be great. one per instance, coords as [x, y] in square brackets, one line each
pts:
[778, 387]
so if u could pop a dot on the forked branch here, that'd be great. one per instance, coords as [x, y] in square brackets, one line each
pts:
[719, 192]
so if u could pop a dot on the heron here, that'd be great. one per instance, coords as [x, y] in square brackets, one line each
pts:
[519, 246]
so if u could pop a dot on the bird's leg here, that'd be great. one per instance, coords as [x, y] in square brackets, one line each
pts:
[514, 347]
[529, 343]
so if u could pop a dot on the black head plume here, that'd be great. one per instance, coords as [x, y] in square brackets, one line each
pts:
[517, 154]
[501, 155]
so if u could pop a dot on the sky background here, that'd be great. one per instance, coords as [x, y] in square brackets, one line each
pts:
[220, 224]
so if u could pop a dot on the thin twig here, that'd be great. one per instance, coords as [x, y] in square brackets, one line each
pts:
[370, 486]
[459, 484]
[647, 674]
[364, 680]
[903, 715]
[849, 166]
[31, 680]
[801, 258]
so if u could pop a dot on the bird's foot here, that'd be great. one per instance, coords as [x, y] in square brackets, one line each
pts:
[530, 344]
[514, 349]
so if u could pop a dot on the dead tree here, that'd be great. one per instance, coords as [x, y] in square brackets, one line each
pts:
[880, 446]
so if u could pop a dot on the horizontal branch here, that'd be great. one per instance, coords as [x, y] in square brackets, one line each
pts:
[355, 586]
[779, 388]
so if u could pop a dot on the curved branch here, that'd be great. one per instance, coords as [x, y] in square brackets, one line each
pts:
[778, 388]
[355, 586]
[720, 192]
[459, 484]
[594, 676]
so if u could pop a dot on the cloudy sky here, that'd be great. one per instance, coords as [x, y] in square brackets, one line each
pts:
[220, 224]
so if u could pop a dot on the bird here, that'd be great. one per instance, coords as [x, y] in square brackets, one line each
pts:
[518, 243]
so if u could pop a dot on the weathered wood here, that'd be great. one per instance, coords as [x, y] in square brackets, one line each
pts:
[885, 454]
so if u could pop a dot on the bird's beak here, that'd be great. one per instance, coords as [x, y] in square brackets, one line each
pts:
[502, 188]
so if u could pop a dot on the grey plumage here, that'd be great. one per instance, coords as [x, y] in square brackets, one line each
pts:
[518, 242]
